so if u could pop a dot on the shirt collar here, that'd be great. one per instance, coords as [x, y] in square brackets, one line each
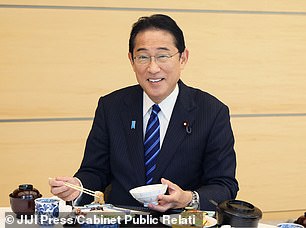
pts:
[166, 105]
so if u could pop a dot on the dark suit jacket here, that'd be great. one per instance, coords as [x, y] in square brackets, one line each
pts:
[203, 160]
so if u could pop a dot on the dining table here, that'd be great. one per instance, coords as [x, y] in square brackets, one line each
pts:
[8, 219]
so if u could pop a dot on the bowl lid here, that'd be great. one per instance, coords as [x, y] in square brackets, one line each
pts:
[240, 209]
[26, 191]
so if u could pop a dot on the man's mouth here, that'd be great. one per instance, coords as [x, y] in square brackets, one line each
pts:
[155, 80]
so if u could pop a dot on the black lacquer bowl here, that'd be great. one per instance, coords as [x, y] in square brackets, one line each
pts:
[22, 200]
[238, 213]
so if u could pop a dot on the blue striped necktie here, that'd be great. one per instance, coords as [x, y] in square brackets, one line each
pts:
[152, 143]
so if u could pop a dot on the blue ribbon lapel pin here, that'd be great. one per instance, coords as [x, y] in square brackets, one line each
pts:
[133, 124]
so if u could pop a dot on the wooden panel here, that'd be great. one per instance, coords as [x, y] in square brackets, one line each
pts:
[58, 62]
[262, 5]
[33, 152]
[271, 162]
[255, 67]
[270, 152]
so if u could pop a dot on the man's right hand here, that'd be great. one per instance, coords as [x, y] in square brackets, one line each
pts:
[59, 189]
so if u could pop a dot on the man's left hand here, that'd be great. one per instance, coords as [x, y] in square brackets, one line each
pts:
[177, 198]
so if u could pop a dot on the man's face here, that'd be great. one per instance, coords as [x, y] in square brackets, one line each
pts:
[157, 78]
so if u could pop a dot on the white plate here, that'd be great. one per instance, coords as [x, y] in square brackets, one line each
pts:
[210, 221]
[108, 211]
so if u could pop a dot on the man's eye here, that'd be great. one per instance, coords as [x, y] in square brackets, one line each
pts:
[143, 57]
[162, 57]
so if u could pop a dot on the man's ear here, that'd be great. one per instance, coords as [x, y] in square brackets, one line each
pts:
[131, 60]
[184, 58]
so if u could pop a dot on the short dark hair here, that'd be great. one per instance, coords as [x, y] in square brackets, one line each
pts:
[157, 21]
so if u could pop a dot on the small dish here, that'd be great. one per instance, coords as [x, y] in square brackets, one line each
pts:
[165, 219]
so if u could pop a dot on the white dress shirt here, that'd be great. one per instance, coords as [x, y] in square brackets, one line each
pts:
[164, 115]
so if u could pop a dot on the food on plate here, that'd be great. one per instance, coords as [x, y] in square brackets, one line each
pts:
[78, 211]
[93, 207]
[99, 197]
[191, 218]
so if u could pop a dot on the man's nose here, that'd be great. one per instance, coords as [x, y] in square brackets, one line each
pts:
[153, 67]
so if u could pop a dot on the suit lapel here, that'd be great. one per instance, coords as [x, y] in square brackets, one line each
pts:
[183, 112]
[132, 120]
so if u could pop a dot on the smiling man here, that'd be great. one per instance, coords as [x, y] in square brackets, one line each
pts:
[159, 131]
[157, 62]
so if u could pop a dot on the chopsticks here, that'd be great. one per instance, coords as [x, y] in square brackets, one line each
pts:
[81, 189]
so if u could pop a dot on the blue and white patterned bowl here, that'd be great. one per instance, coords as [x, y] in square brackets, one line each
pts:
[46, 209]
[289, 225]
